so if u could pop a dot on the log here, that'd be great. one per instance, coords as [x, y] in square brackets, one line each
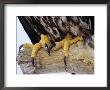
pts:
[80, 61]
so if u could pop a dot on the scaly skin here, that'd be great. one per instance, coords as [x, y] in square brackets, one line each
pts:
[44, 40]
[66, 42]
[45, 43]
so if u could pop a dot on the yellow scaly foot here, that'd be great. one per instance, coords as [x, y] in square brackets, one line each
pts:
[43, 43]
[65, 43]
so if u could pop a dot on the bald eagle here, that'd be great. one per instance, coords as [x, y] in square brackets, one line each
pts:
[54, 32]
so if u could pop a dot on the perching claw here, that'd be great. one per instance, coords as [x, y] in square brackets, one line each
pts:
[47, 49]
[33, 61]
[65, 62]
[20, 48]
[26, 45]
[65, 43]
[43, 43]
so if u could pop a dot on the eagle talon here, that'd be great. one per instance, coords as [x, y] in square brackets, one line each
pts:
[43, 43]
[65, 62]
[47, 49]
[52, 46]
[26, 45]
[20, 47]
[33, 61]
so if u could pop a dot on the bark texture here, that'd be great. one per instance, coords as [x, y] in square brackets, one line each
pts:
[80, 61]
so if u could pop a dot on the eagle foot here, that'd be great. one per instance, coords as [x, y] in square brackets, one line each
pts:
[43, 43]
[66, 42]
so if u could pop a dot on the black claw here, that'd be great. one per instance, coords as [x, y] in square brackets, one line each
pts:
[33, 62]
[47, 49]
[20, 47]
[65, 62]
[65, 58]
[52, 45]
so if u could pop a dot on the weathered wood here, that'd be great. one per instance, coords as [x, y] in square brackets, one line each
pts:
[80, 61]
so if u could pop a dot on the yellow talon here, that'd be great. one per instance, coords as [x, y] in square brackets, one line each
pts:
[75, 40]
[66, 42]
[66, 47]
[35, 49]
[43, 43]
[44, 40]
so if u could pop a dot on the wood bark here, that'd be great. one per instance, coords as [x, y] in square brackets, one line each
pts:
[80, 61]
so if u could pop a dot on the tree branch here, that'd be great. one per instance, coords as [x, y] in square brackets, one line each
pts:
[80, 61]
